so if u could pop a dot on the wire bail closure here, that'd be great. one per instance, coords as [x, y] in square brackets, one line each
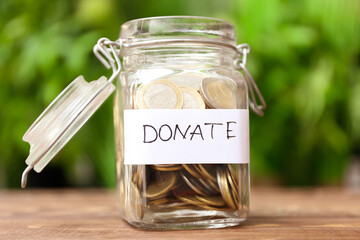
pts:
[240, 64]
[108, 54]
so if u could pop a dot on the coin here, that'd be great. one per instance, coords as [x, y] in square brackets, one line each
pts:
[213, 185]
[192, 99]
[183, 190]
[224, 187]
[211, 200]
[218, 93]
[164, 184]
[234, 175]
[191, 170]
[138, 174]
[133, 204]
[207, 186]
[172, 167]
[161, 196]
[159, 94]
[208, 179]
[188, 199]
[231, 180]
[233, 188]
[205, 173]
[233, 171]
[166, 165]
[173, 203]
[194, 201]
[158, 201]
[194, 185]
[177, 204]
[191, 80]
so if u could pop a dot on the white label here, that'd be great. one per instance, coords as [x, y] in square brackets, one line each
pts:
[189, 136]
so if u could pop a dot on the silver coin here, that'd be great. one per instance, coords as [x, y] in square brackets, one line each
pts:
[192, 99]
[160, 94]
[218, 93]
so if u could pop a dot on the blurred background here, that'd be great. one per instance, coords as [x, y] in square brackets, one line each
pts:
[305, 58]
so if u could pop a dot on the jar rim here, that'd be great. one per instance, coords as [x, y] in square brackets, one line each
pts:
[178, 27]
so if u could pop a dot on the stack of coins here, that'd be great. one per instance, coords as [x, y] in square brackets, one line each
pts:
[164, 94]
[185, 186]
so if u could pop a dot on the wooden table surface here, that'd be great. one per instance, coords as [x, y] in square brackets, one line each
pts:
[276, 213]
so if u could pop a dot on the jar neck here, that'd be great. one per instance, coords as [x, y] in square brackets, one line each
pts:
[191, 56]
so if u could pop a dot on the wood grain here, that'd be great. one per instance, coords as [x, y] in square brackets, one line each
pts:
[91, 214]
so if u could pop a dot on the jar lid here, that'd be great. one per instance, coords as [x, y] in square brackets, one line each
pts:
[69, 111]
[63, 118]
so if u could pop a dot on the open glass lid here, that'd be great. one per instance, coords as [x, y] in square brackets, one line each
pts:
[70, 110]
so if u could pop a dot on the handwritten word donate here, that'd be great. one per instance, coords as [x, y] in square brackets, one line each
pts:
[201, 131]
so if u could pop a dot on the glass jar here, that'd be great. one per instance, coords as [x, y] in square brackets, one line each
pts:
[185, 64]
[181, 116]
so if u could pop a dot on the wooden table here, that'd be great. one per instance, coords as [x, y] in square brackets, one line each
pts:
[276, 213]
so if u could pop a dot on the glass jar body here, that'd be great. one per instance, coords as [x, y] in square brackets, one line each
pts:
[182, 195]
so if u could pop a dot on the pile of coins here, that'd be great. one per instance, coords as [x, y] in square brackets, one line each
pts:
[185, 186]
[180, 186]
[164, 94]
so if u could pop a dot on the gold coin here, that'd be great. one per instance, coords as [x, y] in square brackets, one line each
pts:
[133, 204]
[158, 201]
[161, 196]
[214, 185]
[194, 201]
[173, 167]
[168, 169]
[234, 173]
[224, 188]
[178, 203]
[186, 206]
[191, 170]
[235, 198]
[233, 188]
[138, 175]
[211, 200]
[208, 177]
[174, 203]
[192, 99]
[230, 180]
[205, 173]
[193, 185]
[161, 94]
[207, 186]
[162, 186]
[189, 199]
[183, 190]
[218, 93]
[166, 165]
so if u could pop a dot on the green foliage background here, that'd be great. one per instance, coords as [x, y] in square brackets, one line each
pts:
[305, 58]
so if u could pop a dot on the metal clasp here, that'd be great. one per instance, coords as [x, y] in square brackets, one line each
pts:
[240, 64]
